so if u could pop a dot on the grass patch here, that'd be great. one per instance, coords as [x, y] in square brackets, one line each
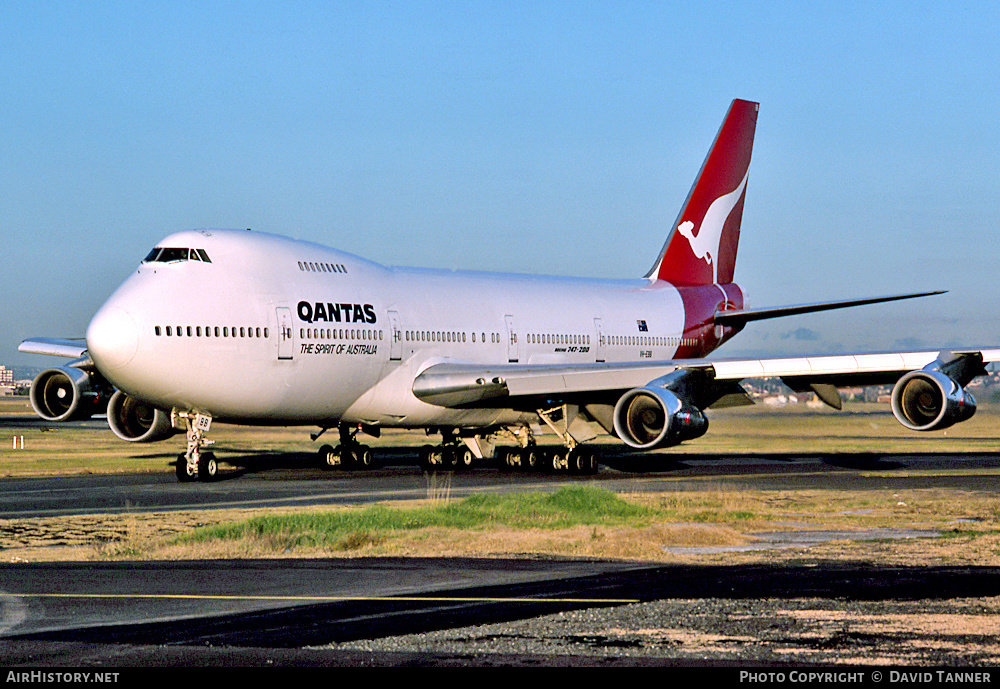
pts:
[357, 528]
[578, 521]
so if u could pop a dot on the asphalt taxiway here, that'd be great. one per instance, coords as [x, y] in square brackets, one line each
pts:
[307, 612]
[294, 480]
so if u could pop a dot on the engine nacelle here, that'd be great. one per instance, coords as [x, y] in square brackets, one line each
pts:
[651, 417]
[138, 422]
[68, 394]
[929, 400]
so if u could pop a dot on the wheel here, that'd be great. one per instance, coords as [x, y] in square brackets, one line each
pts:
[582, 462]
[449, 457]
[430, 458]
[184, 473]
[208, 468]
[532, 459]
[348, 456]
[558, 460]
[464, 458]
[364, 458]
[328, 457]
[500, 459]
[507, 459]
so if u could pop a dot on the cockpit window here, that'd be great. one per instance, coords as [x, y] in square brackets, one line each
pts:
[169, 255]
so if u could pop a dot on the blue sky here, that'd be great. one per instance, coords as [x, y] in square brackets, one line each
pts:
[541, 137]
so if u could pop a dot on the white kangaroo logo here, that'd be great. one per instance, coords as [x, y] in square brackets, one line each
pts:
[706, 244]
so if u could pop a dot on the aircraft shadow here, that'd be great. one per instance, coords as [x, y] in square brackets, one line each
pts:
[237, 464]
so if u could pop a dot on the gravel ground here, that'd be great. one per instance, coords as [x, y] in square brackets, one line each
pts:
[795, 632]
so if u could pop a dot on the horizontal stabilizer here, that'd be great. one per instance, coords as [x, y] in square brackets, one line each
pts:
[738, 317]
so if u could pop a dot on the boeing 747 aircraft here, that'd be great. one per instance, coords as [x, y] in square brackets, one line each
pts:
[251, 328]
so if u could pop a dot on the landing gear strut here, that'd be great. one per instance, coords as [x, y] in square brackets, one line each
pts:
[194, 464]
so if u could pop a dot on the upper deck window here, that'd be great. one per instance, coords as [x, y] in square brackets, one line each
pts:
[169, 255]
[316, 267]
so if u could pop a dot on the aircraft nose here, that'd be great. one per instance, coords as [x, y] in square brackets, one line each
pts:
[112, 338]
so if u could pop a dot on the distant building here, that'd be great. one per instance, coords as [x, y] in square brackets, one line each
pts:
[6, 381]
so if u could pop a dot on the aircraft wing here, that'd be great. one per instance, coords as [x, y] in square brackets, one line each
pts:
[461, 384]
[70, 348]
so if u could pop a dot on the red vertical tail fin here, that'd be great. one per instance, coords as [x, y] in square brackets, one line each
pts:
[701, 247]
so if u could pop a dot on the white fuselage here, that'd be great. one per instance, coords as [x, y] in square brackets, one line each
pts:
[271, 330]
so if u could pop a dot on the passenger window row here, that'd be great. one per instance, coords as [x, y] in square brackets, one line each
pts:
[339, 334]
[647, 340]
[557, 339]
[210, 331]
[447, 336]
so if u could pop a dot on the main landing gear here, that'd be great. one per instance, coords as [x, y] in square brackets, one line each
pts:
[458, 453]
[195, 465]
[454, 455]
[445, 457]
[576, 460]
[532, 458]
[349, 454]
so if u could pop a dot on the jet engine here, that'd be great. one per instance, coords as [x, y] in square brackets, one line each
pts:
[68, 394]
[650, 417]
[929, 400]
[138, 422]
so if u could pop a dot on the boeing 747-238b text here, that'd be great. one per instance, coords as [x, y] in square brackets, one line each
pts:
[251, 328]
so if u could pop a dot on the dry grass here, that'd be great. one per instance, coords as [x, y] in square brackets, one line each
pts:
[719, 520]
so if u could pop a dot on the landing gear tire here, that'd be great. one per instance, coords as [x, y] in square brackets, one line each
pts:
[184, 473]
[508, 459]
[464, 459]
[448, 458]
[431, 458]
[328, 457]
[557, 460]
[582, 462]
[363, 457]
[348, 457]
[532, 459]
[208, 467]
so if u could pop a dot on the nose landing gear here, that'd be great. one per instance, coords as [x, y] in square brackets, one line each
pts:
[195, 465]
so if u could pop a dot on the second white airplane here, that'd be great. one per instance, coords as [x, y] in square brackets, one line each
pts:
[252, 328]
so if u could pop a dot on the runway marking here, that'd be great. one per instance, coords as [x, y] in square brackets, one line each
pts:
[408, 599]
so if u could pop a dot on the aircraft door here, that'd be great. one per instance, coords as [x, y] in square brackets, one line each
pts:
[286, 336]
[395, 337]
[511, 339]
[599, 339]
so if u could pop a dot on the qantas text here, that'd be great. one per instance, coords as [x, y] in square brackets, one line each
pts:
[337, 313]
